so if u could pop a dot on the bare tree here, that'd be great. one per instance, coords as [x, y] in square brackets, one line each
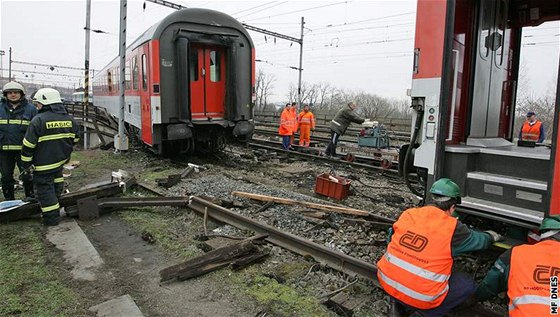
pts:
[263, 89]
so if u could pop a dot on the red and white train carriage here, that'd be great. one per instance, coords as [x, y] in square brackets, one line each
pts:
[466, 66]
[189, 82]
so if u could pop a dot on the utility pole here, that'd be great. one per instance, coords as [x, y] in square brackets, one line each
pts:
[86, 73]
[10, 65]
[121, 141]
[300, 62]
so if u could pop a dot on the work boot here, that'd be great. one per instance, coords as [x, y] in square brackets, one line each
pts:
[9, 193]
[30, 199]
[51, 218]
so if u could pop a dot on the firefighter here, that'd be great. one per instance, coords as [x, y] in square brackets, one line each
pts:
[416, 269]
[306, 122]
[47, 146]
[286, 129]
[339, 124]
[527, 273]
[532, 129]
[15, 115]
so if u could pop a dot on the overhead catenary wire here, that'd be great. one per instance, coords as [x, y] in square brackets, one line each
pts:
[297, 11]
[270, 7]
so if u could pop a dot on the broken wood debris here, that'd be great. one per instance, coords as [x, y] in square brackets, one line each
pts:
[170, 181]
[242, 254]
[285, 201]
[343, 304]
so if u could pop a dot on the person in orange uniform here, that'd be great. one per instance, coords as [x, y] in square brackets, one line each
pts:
[306, 122]
[528, 273]
[286, 129]
[532, 129]
[416, 268]
[294, 121]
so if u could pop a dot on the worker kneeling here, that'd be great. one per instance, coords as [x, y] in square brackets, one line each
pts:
[416, 269]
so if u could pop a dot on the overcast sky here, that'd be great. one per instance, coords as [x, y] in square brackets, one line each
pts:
[359, 45]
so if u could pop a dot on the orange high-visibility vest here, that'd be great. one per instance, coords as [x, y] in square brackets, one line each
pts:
[306, 118]
[531, 269]
[416, 267]
[286, 123]
[531, 132]
[293, 120]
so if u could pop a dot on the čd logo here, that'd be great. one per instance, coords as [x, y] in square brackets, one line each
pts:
[413, 241]
[542, 273]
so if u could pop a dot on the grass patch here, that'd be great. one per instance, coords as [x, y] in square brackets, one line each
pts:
[29, 282]
[147, 219]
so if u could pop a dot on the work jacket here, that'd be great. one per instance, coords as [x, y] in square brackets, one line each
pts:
[532, 132]
[417, 264]
[343, 118]
[307, 119]
[49, 140]
[530, 279]
[14, 123]
[287, 122]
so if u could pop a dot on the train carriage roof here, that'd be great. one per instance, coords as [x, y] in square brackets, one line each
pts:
[189, 15]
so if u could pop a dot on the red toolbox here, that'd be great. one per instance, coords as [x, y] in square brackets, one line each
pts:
[332, 186]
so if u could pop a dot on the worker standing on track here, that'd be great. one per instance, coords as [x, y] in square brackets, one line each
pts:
[15, 115]
[47, 146]
[416, 269]
[528, 273]
[286, 127]
[339, 124]
[306, 122]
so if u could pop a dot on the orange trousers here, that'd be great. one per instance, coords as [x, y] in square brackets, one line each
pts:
[304, 135]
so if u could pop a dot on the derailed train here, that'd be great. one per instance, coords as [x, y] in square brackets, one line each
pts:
[189, 83]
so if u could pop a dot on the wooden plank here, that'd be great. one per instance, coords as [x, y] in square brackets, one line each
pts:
[285, 201]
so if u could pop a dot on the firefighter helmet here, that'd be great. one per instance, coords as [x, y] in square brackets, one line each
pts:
[13, 86]
[444, 188]
[550, 223]
[47, 96]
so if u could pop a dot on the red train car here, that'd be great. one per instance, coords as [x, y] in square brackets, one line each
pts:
[466, 66]
[189, 83]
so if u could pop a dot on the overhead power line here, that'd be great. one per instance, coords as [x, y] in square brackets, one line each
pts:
[42, 73]
[52, 66]
[270, 7]
[302, 10]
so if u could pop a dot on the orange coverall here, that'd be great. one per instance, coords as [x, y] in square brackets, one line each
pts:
[306, 122]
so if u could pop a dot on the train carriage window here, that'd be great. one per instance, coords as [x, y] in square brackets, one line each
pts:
[485, 25]
[109, 81]
[501, 19]
[215, 66]
[144, 74]
[134, 73]
[193, 64]
[127, 75]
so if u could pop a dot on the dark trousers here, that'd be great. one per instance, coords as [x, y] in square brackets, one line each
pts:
[8, 162]
[461, 287]
[49, 187]
[331, 148]
[286, 142]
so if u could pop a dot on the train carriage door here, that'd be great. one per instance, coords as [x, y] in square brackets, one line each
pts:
[207, 82]
[145, 102]
[491, 70]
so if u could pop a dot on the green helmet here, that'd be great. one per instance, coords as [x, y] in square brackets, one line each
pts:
[550, 223]
[444, 187]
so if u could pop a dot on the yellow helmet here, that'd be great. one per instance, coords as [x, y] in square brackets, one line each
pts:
[47, 96]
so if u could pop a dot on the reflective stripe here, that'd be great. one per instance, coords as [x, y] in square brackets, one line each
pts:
[335, 122]
[408, 292]
[11, 147]
[436, 277]
[529, 299]
[41, 168]
[50, 208]
[29, 144]
[14, 121]
[499, 267]
[59, 180]
[56, 136]
[26, 158]
[76, 140]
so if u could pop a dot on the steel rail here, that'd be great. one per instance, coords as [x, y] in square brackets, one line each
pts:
[326, 256]
[322, 158]
[334, 259]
